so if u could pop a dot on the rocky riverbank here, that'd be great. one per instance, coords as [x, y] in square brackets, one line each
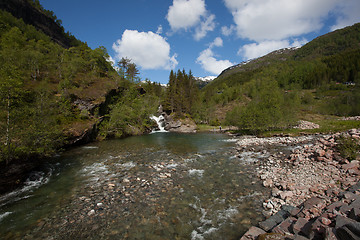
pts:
[311, 175]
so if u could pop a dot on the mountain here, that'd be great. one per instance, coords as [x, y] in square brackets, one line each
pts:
[325, 49]
[203, 81]
[275, 56]
[33, 14]
[318, 73]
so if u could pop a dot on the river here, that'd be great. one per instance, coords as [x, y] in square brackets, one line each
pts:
[157, 186]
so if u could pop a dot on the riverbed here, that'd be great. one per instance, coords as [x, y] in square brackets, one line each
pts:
[157, 186]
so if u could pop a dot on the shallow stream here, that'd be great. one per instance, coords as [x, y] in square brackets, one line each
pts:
[158, 186]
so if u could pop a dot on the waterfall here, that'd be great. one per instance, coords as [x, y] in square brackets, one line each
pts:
[160, 122]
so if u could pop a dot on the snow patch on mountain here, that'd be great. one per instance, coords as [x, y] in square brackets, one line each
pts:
[205, 79]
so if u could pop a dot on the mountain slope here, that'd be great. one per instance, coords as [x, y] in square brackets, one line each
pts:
[324, 65]
[23, 9]
[326, 46]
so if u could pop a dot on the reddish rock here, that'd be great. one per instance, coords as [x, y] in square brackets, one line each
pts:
[302, 226]
[345, 209]
[314, 202]
[330, 234]
[352, 165]
[291, 186]
[354, 171]
[299, 237]
[321, 152]
[252, 233]
[349, 195]
[295, 212]
[329, 154]
[268, 183]
[325, 221]
[285, 226]
[283, 185]
[355, 214]
[318, 229]
[355, 204]
[275, 192]
[286, 194]
[314, 189]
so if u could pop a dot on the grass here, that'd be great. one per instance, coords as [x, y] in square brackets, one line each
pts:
[209, 128]
[327, 126]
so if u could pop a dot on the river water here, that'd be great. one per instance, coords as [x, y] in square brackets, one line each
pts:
[158, 186]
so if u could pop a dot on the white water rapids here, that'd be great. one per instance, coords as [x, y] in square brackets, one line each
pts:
[160, 122]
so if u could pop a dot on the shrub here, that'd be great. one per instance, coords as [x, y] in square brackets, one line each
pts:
[348, 147]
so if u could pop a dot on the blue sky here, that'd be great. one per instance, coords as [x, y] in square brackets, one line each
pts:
[204, 36]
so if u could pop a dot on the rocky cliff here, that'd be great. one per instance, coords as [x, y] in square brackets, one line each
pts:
[33, 16]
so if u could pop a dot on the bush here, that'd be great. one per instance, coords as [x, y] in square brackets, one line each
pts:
[348, 147]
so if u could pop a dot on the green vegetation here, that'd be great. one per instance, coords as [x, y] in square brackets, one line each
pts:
[130, 113]
[182, 93]
[272, 92]
[50, 94]
[348, 147]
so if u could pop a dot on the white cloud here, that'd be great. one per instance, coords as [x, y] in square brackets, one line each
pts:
[227, 31]
[159, 30]
[205, 26]
[255, 50]
[111, 61]
[348, 11]
[208, 61]
[262, 20]
[146, 49]
[191, 14]
[218, 42]
[184, 14]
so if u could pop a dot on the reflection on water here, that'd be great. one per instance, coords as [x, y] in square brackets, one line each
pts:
[158, 186]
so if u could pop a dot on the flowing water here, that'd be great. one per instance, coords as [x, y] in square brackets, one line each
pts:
[158, 186]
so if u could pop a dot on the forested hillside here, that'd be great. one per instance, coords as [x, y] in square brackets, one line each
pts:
[54, 95]
[272, 91]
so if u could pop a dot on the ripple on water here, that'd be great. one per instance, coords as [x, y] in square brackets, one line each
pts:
[35, 180]
[127, 165]
[4, 215]
[211, 222]
[196, 172]
[251, 157]
[230, 140]
[90, 147]
[95, 172]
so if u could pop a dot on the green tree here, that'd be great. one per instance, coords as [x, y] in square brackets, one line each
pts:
[266, 110]
[132, 72]
[11, 81]
[123, 66]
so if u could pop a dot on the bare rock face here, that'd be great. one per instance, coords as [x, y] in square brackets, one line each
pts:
[185, 125]
[23, 9]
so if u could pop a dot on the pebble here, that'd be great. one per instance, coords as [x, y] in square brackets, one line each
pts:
[92, 212]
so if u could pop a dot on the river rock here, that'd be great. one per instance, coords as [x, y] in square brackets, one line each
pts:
[92, 212]
[252, 233]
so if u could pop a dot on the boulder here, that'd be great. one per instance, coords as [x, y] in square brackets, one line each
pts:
[274, 220]
[252, 233]
[352, 165]
[184, 125]
[302, 226]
